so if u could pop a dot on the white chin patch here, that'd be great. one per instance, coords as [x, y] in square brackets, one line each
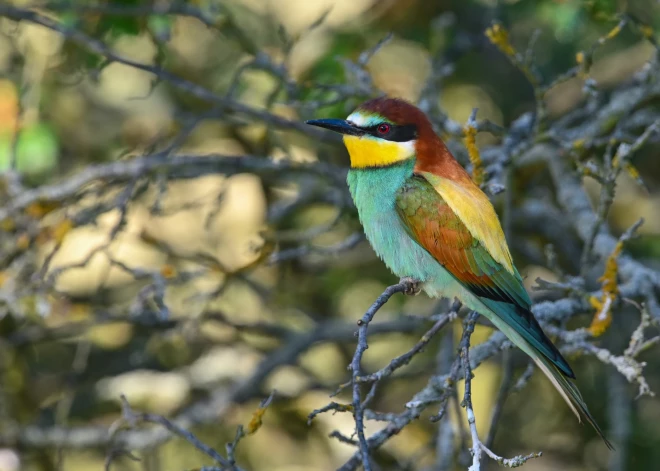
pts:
[407, 147]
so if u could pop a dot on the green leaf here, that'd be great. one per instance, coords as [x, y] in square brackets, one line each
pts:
[121, 25]
[36, 150]
[69, 19]
[160, 26]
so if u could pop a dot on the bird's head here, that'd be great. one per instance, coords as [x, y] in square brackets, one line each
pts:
[380, 132]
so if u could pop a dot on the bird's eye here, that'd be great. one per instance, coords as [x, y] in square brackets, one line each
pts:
[383, 128]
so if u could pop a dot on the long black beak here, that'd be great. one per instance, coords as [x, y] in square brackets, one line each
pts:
[337, 125]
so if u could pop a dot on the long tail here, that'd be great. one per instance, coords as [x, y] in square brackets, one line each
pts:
[570, 393]
[506, 318]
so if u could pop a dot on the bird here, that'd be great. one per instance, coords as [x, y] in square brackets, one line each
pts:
[435, 228]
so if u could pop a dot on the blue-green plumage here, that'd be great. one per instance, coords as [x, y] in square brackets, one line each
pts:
[377, 193]
[426, 219]
[374, 192]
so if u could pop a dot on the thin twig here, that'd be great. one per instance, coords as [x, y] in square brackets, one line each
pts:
[477, 445]
[363, 325]
[133, 418]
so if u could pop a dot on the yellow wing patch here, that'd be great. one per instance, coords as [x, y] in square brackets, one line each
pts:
[369, 152]
[473, 207]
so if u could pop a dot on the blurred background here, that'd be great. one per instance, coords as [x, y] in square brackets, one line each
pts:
[195, 249]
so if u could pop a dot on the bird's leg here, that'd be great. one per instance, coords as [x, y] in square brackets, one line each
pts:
[413, 288]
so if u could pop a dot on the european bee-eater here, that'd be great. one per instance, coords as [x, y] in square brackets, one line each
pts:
[429, 222]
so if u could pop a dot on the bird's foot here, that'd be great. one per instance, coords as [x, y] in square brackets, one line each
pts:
[413, 288]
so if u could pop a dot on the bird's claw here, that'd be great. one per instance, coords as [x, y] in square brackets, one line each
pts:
[413, 288]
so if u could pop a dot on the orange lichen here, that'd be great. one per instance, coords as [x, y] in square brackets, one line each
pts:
[7, 225]
[647, 31]
[168, 271]
[578, 144]
[614, 32]
[583, 64]
[499, 36]
[61, 229]
[40, 208]
[632, 171]
[473, 152]
[628, 167]
[23, 241]
[256, 421]
[603, 306]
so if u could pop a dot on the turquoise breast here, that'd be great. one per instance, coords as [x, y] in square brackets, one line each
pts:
[374, 192]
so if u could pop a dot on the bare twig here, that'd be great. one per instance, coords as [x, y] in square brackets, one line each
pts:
[598, 138]
[132, 419]
[477, 445]
[363, 325]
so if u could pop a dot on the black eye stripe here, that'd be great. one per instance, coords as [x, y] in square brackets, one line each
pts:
[397, 133]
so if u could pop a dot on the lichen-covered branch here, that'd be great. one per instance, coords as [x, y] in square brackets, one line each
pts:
[264, 307]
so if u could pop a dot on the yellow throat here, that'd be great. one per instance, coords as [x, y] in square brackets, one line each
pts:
[366, 151]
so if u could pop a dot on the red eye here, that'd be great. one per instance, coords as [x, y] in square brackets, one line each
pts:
[383, 128]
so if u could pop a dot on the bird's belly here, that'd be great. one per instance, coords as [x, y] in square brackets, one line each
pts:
[374, 193]
[405, 257]
[402, 254]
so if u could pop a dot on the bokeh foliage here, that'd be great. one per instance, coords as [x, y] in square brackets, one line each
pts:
[198, 292]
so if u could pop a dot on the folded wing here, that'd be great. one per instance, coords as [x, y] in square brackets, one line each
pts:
[461, 246]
